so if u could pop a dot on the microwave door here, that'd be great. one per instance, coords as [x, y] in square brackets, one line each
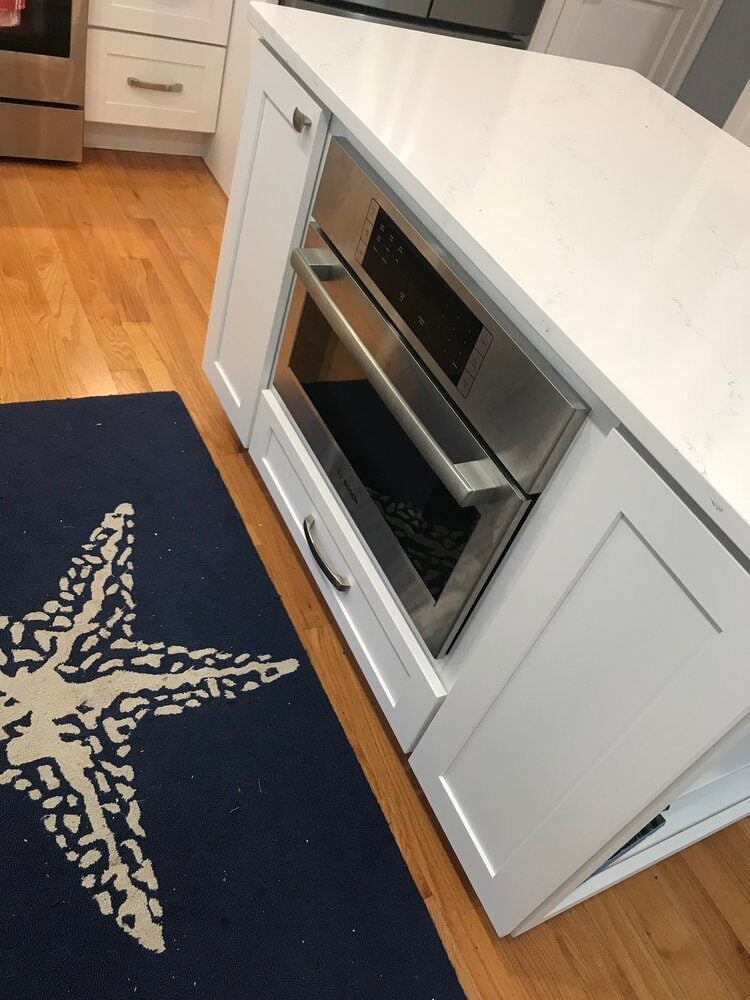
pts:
[431, 505]
[472, 481]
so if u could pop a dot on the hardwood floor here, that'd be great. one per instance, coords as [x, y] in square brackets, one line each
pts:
[105, 282]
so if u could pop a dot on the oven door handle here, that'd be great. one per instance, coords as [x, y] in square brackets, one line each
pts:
[470, 483]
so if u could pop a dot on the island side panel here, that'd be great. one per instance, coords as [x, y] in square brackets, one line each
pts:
[277, 166]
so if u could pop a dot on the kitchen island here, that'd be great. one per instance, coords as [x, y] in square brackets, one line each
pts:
[603, 675]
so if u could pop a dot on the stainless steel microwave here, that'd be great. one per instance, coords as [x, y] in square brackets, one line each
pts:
[432, 422]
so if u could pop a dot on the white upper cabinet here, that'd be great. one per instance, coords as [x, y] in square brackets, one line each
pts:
[620, 656]
[280, 148]
[658, 38]
[195, 20]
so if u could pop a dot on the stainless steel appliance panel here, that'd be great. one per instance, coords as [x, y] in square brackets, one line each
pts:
[517, 404]
[445, 443]
[41, 131]
[412, 8]
[51, 79]
[517, 17]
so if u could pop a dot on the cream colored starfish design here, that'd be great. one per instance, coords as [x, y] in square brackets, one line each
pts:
[74, 684]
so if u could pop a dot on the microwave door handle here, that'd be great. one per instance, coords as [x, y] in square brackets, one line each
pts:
[469, 483]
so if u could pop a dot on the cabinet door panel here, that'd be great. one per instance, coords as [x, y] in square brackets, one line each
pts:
[610, 647]
[197, 20]
[417, 8]
[115, 59]
[268, 209]
[649, 36]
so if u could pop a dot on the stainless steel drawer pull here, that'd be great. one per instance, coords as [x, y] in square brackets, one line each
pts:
[300, 121]
[169, 88]
[339, 582]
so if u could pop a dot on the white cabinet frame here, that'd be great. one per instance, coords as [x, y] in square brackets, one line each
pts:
[529, 827]
[268, 210]
[195, 20]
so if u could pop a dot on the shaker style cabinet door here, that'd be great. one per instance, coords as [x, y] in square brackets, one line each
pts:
[152, 82]
[619, 658]
[658, 38]
[195, 20]
[516, 17]
[400, 674]
[279, 152]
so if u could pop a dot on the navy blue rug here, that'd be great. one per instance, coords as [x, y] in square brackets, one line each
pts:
[181, 814]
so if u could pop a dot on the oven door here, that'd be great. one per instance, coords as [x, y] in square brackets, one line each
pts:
[434, 508]
[44, 57]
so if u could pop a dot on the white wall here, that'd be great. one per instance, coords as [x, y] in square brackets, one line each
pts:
[722, 67]
[221, 148]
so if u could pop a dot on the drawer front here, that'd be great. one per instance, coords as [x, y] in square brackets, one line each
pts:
[397, 669]
[186, 75]
[196, 20]
[267, 215]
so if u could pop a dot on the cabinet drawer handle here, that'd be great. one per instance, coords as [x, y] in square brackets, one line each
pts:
[169, 88]
[300, 121]
[339, 582]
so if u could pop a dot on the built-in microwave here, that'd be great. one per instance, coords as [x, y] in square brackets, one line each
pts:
[432, 422]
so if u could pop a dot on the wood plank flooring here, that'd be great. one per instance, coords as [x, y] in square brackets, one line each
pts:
[106, 272]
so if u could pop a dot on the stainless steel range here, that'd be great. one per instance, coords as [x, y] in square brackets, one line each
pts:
[434, 425]
[42, 67]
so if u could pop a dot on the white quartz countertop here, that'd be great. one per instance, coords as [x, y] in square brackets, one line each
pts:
[612, 217]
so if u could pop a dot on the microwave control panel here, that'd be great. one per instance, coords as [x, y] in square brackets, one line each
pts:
[437, 317]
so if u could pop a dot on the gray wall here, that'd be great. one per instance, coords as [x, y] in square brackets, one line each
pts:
[722, 67]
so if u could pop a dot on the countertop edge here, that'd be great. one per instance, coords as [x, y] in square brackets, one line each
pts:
[714, 506]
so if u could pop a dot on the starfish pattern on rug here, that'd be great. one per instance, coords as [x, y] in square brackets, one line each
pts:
[74, 684]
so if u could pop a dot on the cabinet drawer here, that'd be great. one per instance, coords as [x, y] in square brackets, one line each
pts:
[397, 669]
[196, 20]
[193, 70]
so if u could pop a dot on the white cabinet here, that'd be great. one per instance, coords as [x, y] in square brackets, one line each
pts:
[398, 671]
[154, 64]
[282, 138]
[658, 38]
[196, 20]
[157, 82]
[621, 658]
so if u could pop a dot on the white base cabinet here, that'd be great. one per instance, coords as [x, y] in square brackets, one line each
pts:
[621, 659]
[604, 674]
[268, 210]
[399, 672]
